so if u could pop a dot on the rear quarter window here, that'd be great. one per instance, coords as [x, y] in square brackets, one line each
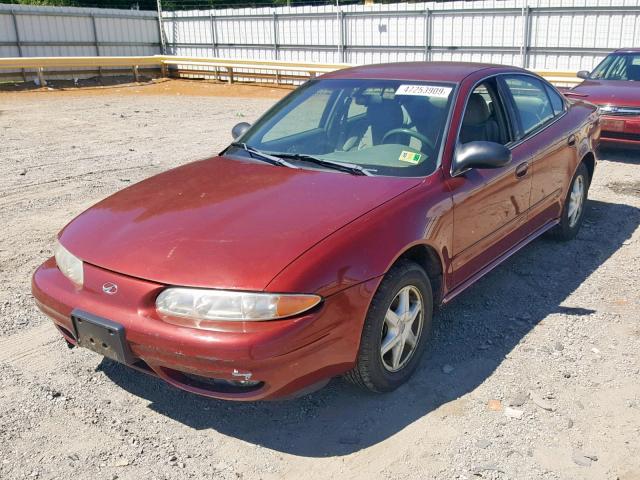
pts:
[556, 100]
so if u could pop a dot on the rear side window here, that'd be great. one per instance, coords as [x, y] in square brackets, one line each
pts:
[532, 103]
[556, 100]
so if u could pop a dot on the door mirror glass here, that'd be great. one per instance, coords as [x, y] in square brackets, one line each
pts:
[480, 155]
[239, 129]
[584, 74]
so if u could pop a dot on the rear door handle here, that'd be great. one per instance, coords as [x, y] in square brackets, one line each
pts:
[522, 169]
[571, 140]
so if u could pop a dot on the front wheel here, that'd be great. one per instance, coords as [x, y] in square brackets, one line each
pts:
[396, 329]
[574, 205]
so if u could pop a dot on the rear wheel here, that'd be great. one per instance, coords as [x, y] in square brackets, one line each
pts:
[396, 329]
[574, 206]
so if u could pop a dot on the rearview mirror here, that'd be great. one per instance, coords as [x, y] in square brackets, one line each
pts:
[239, 129]
[480, 155]
[583, 74]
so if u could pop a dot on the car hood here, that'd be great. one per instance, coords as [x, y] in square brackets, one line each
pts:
[609, 92]
[222, 222]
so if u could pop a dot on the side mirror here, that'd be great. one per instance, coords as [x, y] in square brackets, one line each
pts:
[583, 74]
[239, 129]
[480, 155]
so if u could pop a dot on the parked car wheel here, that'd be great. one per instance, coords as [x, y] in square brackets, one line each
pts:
[397, 327]
[574, 206]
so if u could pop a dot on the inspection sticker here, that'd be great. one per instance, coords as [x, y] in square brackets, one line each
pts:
[424, 90]
[410, 157]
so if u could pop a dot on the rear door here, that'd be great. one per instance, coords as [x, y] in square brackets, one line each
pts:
[538, 110]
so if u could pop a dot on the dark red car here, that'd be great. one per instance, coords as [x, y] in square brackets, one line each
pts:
[318, 243]
[614, 85]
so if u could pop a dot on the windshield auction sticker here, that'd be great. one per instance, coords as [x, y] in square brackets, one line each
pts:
[424, 90]
[410, 157]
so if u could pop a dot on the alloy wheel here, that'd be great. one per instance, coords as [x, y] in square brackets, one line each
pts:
[576, 199]
[402, 328]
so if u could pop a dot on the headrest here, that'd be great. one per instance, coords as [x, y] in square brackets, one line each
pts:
[387, 112]
[477, 111]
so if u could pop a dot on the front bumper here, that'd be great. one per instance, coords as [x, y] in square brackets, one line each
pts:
[620, 129]
[286, 356]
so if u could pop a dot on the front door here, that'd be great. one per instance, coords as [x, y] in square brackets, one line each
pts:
[490, 205]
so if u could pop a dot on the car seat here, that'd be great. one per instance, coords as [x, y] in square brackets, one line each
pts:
[384, 115]
[478, 123]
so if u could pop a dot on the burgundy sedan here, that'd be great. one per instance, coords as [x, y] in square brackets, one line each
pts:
[614, 85]
[318, 243]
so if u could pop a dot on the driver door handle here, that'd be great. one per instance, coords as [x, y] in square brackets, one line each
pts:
[522, 169]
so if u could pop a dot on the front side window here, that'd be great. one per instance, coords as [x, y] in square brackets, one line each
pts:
[301, 118]
[389, 127]
[618, 66]
[531, 101]
[484, 119]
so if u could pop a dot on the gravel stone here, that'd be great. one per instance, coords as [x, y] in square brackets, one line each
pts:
[582, 460]
[513, 412]
[540, 402]
[519, 400]
[447, 369]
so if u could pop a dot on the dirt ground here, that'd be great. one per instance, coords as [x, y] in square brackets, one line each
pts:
[534, 372]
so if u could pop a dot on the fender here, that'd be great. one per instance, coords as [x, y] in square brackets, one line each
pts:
[367, 247]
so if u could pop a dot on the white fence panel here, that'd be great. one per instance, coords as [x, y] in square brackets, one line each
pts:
[31, 31]
[538, 34]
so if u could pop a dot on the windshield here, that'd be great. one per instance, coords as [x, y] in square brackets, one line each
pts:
[618, 66]
[388, 127]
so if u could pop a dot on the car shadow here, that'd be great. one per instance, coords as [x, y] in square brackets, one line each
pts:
[473, 335]
[628, 154]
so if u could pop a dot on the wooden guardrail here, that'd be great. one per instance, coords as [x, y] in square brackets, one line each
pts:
[228, 67]
[39, 64]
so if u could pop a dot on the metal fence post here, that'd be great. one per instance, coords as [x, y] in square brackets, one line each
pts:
[214, 42]
[163, 49]
[275, 35]
[96, 41]
[342, 35]
[427, 35]
[526, 36]
[18, 42]
[275, 44]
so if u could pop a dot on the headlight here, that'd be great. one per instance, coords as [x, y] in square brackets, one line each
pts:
[618, 111]
[604, 109]
[69, 265]
[202, 306]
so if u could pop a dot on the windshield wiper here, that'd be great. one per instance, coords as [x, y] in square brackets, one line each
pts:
[265, 157]
[351, 168]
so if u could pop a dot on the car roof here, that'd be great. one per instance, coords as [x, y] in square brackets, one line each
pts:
[432, 71]
[627, 50]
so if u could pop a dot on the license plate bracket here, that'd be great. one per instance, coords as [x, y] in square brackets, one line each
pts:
[101, 335]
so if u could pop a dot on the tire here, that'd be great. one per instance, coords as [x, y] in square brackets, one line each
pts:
[374, 371]
[570, 224]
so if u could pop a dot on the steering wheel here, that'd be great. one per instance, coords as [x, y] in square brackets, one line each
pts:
[412, 133]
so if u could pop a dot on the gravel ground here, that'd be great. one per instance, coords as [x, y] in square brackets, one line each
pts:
[534, 372]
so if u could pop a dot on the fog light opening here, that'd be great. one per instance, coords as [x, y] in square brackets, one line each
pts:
[214, 385]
